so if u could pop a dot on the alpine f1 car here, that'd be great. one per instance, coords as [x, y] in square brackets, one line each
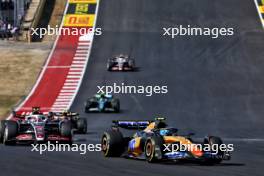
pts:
[102, 103]
[79, 124]
[121, 63]
[154, 142]
[34, 128]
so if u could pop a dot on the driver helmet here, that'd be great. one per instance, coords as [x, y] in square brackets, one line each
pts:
[65, 112]
[168, 132]
[35, 110]
[163, 132]
[161, 124]
[102, 95]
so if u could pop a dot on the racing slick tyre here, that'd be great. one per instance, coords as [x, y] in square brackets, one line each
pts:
[87, 106]
[10, 132]
[2, 130]
[116, 105]
[213, 140]
[112, 143]
[154, 149]
[66, 129]
[89, 103]
[82, 125]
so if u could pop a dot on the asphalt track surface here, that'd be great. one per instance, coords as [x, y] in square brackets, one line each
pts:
[215, 87]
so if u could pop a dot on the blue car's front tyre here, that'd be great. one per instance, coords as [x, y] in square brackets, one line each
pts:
[153, 149]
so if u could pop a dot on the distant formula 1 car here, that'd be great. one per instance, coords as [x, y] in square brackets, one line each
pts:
[78, 124]
[121, 63]
[102, 103]
[150, 140]
[35, 128]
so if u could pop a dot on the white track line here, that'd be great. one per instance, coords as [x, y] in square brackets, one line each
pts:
[67, 91]
[78, 62]
[82, 51]
[84, 55]
[70, 88]
[84, 43]
[77, 66]
[79, 58]
[63, 94]
[83, 47]
[72, 81]
[79, 69]
[74, 73]
[73, 76]
[72, 85]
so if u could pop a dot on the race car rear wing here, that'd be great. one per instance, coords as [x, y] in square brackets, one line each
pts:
[131, 124]
[135, 124]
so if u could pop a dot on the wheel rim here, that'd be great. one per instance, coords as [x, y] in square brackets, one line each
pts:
[104, 144]
[149, 149]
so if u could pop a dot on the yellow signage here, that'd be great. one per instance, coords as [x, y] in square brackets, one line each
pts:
[81, 8]
[261, 9]
[82, 1]
[79, 20]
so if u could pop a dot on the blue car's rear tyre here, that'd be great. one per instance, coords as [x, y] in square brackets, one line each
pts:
[112, 143]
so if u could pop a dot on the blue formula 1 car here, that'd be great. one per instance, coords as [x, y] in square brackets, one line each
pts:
[154, 141]
[102, 103]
